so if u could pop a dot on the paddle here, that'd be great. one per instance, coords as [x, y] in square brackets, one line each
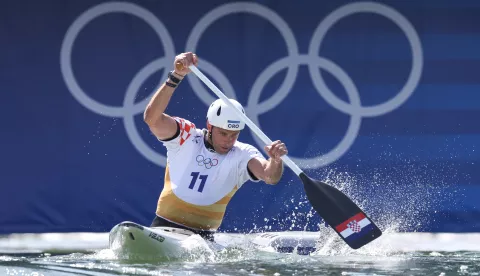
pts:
[338, 211]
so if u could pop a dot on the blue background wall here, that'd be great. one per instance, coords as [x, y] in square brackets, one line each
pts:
[380, 99]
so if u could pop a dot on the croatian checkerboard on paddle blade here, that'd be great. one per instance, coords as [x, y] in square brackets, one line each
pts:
[340, 212]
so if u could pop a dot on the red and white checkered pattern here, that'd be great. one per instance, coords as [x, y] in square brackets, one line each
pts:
[186, 128]
[354, 226]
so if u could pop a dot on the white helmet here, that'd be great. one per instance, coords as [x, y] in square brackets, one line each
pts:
[223, 116]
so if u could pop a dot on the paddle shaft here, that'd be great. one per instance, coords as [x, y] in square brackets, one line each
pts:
[244, 117]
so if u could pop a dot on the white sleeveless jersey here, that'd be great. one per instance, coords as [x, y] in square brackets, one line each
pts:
[199, 183]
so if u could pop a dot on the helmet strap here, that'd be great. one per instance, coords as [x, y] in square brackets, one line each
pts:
[210, 137]
[209, 144]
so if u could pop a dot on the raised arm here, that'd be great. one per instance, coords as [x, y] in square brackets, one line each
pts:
[162, 125]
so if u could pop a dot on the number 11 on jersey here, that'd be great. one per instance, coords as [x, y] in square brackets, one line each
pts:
[195, 176]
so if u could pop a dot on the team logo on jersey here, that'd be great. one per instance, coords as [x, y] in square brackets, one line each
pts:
[207, 162]
[197, 138]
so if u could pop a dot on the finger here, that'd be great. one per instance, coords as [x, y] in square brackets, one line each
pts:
[192, 58]
[279, 145]
[274, 151]
[189, 57]
[281, 150]
[278, 155]
[276, 142]
[271, 152]
[195, 59]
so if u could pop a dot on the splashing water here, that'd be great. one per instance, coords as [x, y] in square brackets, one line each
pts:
[397, 198]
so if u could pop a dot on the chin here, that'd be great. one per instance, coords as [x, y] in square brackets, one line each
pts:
[223, 151]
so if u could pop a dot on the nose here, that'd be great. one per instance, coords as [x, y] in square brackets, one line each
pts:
[228, 143]
[231, 140]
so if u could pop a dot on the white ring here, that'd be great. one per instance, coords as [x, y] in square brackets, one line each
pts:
[413, 39]
[253, 8]
[79, 24]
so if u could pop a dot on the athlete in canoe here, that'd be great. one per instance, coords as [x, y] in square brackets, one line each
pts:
[205, 167]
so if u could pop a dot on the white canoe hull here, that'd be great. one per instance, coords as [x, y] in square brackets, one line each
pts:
[133, 241]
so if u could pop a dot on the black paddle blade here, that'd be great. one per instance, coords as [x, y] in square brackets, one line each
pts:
[340, 212]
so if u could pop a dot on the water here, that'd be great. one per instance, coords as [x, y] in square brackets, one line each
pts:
[392, 254]
[260, 263]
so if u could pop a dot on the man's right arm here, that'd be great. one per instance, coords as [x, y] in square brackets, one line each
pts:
[162, 125]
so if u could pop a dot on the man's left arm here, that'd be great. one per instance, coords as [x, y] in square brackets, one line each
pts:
[270, 170]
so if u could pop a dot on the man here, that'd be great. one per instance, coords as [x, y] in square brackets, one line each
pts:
[204, 167]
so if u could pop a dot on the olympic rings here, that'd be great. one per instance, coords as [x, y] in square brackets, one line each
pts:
[207, 162]
[254, 107]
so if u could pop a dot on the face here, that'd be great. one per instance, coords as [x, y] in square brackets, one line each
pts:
[223, 139]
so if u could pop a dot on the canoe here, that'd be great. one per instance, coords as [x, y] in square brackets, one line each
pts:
[130, 240]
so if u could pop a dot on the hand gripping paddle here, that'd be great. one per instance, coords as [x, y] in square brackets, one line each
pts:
[338, 211]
